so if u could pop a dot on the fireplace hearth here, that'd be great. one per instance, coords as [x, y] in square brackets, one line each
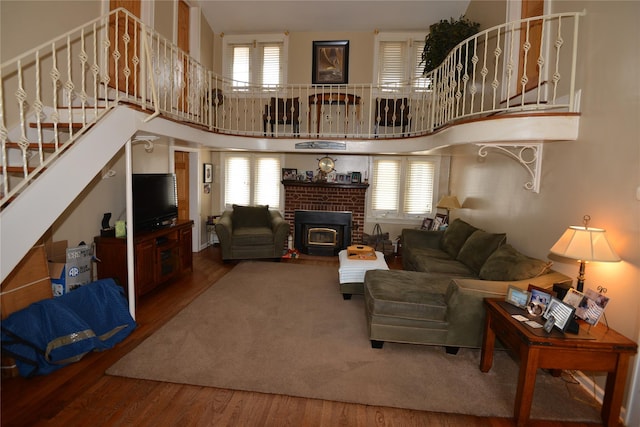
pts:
[323, 233]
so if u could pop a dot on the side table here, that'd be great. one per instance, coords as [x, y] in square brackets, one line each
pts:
[594, 349]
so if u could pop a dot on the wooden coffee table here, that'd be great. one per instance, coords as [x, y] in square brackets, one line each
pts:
[593, 349]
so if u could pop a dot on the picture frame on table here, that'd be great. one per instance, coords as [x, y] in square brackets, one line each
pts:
[207, 173]
[559, 314]
[439, 221]
[330, 62]
[356, 177]
[538, 300]
[289, 174]
[427, 224]
[589, 305]
[518, 297]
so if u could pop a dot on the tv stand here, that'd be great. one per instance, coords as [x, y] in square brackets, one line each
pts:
[160, 256]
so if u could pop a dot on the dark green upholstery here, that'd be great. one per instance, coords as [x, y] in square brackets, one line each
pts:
[478, 247]
[438, 298]
[506, 263]
[252, 232]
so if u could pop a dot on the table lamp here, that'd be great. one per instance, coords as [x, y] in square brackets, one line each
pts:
[585, 244]
[448, 203]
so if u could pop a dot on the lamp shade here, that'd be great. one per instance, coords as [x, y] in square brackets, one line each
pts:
[448, 202]
[585, 244]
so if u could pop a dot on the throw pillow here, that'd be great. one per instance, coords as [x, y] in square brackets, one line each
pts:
[478, 247]
[455, 235]
[506, 263]
[251, 216]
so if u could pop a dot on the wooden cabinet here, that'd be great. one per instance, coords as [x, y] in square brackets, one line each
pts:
[159, 256]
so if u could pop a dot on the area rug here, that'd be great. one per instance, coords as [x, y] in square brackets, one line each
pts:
[284, 328]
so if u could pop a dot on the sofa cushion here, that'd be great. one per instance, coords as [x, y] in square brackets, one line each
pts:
[406, 295]
[478, 247]
[444, 267]
[252, 236]
[506, 263]
[251, 216]
[455, 235]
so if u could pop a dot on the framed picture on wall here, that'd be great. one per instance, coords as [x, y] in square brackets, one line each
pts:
[330, 62]
[207, 173]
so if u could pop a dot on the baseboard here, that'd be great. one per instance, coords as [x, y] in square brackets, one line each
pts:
[594, 389]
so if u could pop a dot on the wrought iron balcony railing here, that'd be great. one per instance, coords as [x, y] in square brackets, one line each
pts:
[52, 94]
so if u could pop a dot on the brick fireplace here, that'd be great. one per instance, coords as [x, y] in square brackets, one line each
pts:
[319, 196]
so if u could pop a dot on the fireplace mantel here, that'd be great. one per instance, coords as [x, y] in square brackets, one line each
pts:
[322, 184]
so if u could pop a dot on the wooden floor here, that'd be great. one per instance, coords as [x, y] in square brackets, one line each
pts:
[82, 395]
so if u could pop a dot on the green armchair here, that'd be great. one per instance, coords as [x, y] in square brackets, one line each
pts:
[252, 232]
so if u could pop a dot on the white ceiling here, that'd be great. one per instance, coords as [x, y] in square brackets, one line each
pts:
[258, 16]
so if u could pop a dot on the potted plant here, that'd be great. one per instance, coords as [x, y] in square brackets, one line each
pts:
[444, 36]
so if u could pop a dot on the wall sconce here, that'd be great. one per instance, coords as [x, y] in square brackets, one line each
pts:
[585, 244]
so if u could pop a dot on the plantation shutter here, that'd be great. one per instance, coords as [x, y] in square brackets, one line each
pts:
[239, 67]
[418, 191]
[416, 67]
[391, 62]
[237, 180]
[271, 70]
[267, 173]
[386, 184]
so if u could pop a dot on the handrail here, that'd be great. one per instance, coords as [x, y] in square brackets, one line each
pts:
[116, 58]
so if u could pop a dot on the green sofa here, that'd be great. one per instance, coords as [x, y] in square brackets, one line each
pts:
[252, 232]
[438, 298]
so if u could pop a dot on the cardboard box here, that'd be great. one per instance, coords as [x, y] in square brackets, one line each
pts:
[28, 282]
[73, 272]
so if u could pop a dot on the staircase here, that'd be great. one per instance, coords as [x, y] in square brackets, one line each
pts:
[69, 113]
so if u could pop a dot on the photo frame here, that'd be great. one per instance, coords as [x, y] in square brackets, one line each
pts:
[589, 305]
[207, 173]
[439, 221]
[518, 297]
[356, 177]
[289, 174]
[559, 314]
[330, 64]
[538, 300]
[427, 223]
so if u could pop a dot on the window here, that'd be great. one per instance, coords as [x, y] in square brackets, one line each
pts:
[398, 61]
[403, 187]
[255, 60]
[252, 179]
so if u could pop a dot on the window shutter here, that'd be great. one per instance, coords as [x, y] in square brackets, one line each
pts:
[391, 62]
[240, 65]
[267, 175]
[386, 184]
[271, 70]
[237, 179]
[416, 66]
[418, 191]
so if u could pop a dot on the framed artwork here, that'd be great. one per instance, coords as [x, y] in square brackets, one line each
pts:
[207, 173]
[330, 64]
[289, 174]
[356, 177]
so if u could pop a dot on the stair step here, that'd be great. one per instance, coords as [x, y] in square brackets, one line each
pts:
[61, 126]
[46, 146]
[16, 169]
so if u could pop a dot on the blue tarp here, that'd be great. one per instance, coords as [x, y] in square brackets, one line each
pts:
[52, 333]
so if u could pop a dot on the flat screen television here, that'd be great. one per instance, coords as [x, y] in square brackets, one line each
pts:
[155, 201]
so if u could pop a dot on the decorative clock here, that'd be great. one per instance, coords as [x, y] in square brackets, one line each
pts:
[326, 164]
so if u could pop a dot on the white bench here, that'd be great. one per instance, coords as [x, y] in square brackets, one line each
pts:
[351, 272]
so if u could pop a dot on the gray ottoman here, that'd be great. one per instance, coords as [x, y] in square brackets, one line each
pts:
[406, 306]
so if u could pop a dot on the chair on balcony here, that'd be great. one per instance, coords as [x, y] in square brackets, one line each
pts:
[283, 111]
[391, 112]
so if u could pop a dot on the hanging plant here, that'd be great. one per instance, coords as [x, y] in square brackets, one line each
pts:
[443, 37]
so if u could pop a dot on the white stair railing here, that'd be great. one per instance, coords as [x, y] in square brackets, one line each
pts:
[51, 95]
